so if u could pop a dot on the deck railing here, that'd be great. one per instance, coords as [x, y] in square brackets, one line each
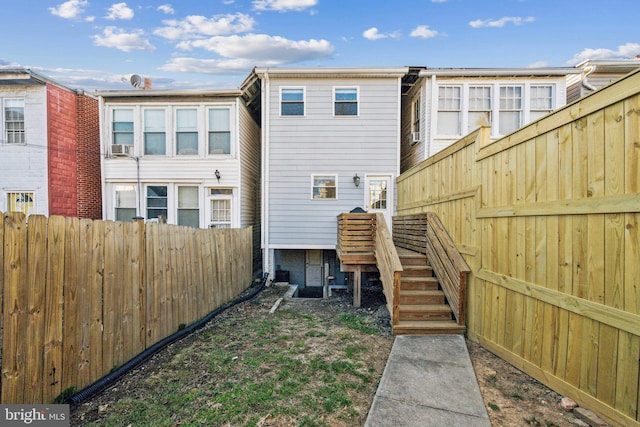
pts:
[425, 233]
[389, 266]
[364, 239]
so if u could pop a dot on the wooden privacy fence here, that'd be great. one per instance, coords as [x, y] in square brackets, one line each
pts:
[547, 218]
[81, 297]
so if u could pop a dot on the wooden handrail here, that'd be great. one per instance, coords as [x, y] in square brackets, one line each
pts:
[365, 239]
[389, 266]
[425, 233]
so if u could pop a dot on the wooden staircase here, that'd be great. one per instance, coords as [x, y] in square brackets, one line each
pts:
[422, 305]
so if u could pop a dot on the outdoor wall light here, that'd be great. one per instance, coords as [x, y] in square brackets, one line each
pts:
[356, 180]
[217, 173]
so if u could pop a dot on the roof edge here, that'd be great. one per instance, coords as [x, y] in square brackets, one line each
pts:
[489, 72]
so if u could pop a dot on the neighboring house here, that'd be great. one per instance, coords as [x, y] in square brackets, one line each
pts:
[187, 157]
[49, 147]
[596, 73]
[441, 105]
[331, 143]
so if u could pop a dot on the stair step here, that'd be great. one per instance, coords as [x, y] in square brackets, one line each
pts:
[415, 327]
[419, 297]
[417, 271]
[418, 283]
[417, 261]
[425, 312]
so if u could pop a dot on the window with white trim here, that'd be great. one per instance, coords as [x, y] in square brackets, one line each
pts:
[479, 107]
[125, 202]
[155, 140]
[416, 115]
[345, 101]
[157, 201]
[219, 131]
[21, 201]
[186, 131]
[324, 187]
[122, 126]
[541, 101]
[188, 206]
[510, 109]
[221, 204]
[14, 121]
[292, 102]
[449, 109]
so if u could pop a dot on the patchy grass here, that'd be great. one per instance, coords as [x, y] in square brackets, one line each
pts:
[294, 367]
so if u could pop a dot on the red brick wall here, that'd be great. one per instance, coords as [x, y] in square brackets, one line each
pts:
[61, 134]
[89, 184]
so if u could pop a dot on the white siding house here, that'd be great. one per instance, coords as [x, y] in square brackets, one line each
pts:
[23, 146]
[188, 157]
[442, 105]
[331, 143]
[596, 73]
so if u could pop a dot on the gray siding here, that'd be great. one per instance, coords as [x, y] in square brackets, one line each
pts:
[320, 143]
[249, 145]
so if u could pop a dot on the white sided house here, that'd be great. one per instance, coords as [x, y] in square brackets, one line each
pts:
[187, 157]
[441, 105]
[331, 143]
[596, 73]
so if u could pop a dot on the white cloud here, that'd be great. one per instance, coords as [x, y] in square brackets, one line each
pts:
[210, 66]
[499, 23]
[119, 39]
[263, 47]
[119, 11]
[424, 32]
[374, 34]
[197, 26]
[70, 9]
[283, 5]
[438, 1]
[538, 64]
[166, 8]
[625, 51]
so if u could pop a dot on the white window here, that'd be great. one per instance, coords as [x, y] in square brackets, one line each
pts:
[345, 101]
[21, 201]
[479, 107]
[292, 102]
[187, 131]
[416, 115]
[378, 194]
[510, 109]
[157, 201]
[154, 132]
[541, 101]
[449, 110]
[221, 202]
[188, 206]
[14, 121]
[122, 126]
[125, 202]
[219, 131]
[324, 187]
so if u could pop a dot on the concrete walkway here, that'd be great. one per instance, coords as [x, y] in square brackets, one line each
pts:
[428, 381]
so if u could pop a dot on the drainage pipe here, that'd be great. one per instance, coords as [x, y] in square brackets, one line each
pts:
[114, 375]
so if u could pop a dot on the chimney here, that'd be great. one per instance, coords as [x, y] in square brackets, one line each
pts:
[147, 83]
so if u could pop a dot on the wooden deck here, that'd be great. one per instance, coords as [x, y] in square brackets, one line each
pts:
[415, 298]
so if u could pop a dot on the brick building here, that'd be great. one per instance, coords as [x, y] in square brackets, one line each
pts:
[49, 147]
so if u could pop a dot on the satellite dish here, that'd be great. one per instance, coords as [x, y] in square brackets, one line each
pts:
[135, 80]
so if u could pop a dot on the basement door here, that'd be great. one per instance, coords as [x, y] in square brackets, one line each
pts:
[379, 196]
[313, 270]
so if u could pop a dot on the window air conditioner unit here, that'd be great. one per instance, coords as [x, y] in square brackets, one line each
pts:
[415, 137]
[121, 150]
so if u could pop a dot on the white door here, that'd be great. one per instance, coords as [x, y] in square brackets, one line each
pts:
[314, 267]
[379, 196]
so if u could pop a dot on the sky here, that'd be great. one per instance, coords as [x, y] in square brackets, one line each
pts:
[208, 44]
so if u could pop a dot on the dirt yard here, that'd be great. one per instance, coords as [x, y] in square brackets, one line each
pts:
[348, 347]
